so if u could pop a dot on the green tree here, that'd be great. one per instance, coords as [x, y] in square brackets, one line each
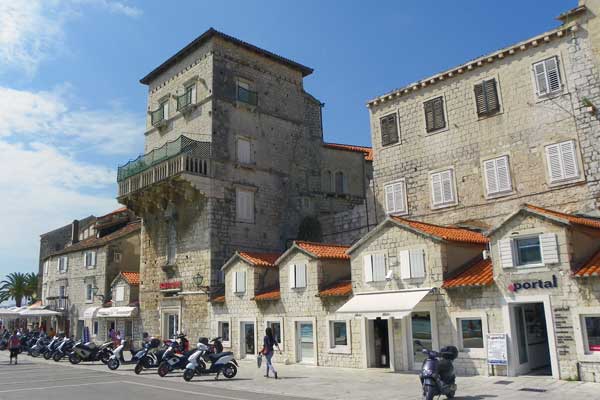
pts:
[31, 281]
[15, 286]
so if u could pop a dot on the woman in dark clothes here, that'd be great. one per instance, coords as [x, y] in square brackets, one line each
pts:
[269, 344]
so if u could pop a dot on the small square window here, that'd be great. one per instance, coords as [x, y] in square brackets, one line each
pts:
[339, 334]
[592, 333]
[528, 250]
[245, 95]
[224, 331]
[471, 333]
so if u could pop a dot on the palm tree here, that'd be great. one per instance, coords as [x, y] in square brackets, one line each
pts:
[14, 286]
[31, 280]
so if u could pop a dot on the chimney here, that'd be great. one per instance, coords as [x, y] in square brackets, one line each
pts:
[75, 231]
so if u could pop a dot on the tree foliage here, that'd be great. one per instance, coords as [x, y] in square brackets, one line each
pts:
[17, 286]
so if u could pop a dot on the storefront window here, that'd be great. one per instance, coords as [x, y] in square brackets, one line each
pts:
[592, 331]
[528, 250]
[471, 333]
[338, 334]
[224, 331]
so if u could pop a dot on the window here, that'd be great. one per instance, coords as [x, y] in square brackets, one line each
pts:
[245, 205]
[547, 76]
[276, 328]
[89, 292]
[340, 182]
[486, 98]
[63, 264]
[389, 129]
[117, 257]
[434, 114]
[338, 334]
[188, 97]
[161, 113]
[529, 251]
[497, 176]
[412, 264]
[244, 154]
[591, 333]
[395, 197]
[297, 276]
[470, 333]
[62, 294]
[172, 325]
[89, 259]
[171, 241]
[374, 267]
[120, 293]
[239, 282]
[223, 331]
[562, 161]
[46, 263]
[95, 328]
[245, 95]
[442, 188]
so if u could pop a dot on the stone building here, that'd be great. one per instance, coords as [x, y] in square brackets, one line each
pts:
[235, 159]
[76, 280]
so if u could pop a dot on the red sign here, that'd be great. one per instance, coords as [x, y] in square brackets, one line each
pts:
[170, 285]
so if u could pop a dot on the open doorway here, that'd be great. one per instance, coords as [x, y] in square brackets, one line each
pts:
[531, 339]
[380, 347]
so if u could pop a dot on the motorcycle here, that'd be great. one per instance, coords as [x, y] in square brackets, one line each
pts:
[175, 357]
[4, 340]
[117, 356]
[91, 352]
[220, 362]
[39, 346]
[48, 352]
[64, 348]
[437, 372]
[151, 356]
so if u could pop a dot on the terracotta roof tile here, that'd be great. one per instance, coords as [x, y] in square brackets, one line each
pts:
[260, 259]
[367, 151]
[341, 288]
[269, 295]
[573, 219]
[451, 234]
[218, 299]
[479, 272]
[324, 251]
[590, 268]
[133, 278]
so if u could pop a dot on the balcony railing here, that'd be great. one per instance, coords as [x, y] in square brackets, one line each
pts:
[179, 156]
[157, 116]
[184, 100]
[247, 96]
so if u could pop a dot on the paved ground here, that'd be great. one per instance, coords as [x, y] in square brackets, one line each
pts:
[41, 379]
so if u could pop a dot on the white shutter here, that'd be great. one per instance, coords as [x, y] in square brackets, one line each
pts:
[241, 281]
[436, 189]
[194, 94]
[490, 176]
[569, 160]
[405, 264]
[58, 264]
[539, 69]
[93, 258]
[549, 248]
[245, 205]
[447, 186]
[378, 267]
[166, 109]
[368, 268]
[292, 276]
[66, 263]
[389, 199]
[301, 276]
[417, 263]
[243, 151]
[234, 286]
[400, 206]
[506, 253]
[249, 206]
[552, 74]
[554, 163]
[503, 174]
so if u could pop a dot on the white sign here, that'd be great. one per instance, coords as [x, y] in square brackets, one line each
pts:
[497, 349]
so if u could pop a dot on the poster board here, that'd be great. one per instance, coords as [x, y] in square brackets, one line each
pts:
[497, 349]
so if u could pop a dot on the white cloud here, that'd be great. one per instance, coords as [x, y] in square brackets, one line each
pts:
[115, 7]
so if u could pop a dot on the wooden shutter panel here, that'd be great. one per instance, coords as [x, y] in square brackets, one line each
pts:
[399, 196]
[378, 267]
[66, 263]
[438, 111]
[554, 162]
[552, 74]
[480, 99]
[491, 180]
[235, 278]
[166, 109]
[569, 160]
[539, 70]
[368, 268]
[405, 264]
[389, 199]
[503, 174]
[436, 188]
[429, 116]
[447, 187]
[250, 206]
[193, 94]
[549, 248]
[301, 275]
[490, 91]
[417, 263]
[292, 276]
[506, 253]
[243, 147]
[389, 129]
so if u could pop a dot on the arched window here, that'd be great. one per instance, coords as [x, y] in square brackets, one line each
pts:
[340, 182]
[327, 187]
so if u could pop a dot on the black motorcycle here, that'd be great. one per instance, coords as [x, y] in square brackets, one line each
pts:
[437, 372]
[91, 352]
[65, 348]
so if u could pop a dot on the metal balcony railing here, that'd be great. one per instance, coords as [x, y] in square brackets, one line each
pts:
[247, 96]
[184, 100]
[157, 116]
[179, 156]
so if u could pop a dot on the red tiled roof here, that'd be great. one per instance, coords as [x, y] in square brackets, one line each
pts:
[478, 273]
[218, 299]
[590, 268]
[269, 295]
[133, 278]
[118, 210]
[573, 219]
[342, 288]
[260, 259]
[324, 250]
[451, 234]
[367, 151]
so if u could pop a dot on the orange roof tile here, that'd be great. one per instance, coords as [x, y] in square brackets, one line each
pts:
[341, 288]
[324, 250]
[218, 299]
[573, 219]
[590, 268]
[133, 278]
[269, 295]
[445, 232]
[260, 259]
[477, 273]
[367, 151]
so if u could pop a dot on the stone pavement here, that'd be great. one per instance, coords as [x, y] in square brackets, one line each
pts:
[328, 383]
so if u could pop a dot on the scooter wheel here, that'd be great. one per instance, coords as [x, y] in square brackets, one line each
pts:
[230, 371]
[113, 364]
[163, 369]
[428, 393]
[57, 357]
[188, 375]
[138, 368]
[104, 357]
[35, 353]
[47, 355]
[74, 359]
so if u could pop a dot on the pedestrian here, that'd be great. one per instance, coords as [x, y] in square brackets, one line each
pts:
[14, 345]
[118, 339]
[268, 350]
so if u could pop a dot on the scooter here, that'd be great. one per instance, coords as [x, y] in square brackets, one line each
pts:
[151, 356]
[48, 352]
[4, 340]
[437, 372]
[117, 356]
[39, 346]
[63, 349]
[220, 362]
[171, 360]
[91, 352]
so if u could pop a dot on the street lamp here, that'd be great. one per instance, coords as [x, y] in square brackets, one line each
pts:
[95, 291]
[198, 279]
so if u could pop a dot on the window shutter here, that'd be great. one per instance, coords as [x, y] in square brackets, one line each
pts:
[429, 116]
[368, 268]
[438, 111]
[399, 204]
[389, 199]
[66, 263]
[552, 74]
[301, 275]
[436, 188]
[405, 264]
[94, 258]
[489, 92]
[549, 248]
[243, 147]
[250, 206]
[242, 282]
[506, 253]
[292, 276]
[503, 174]
[539, 70]
[194, 94]
[490, 176]
[166, 109]
[554, 163]
[417, 263]
[480, 99]
[58, 265]
[569, 160]
[378, 267]
[389, 129]
[447, 186]
[235, 279]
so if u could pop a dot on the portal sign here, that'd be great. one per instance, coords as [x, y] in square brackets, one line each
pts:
[539, 284]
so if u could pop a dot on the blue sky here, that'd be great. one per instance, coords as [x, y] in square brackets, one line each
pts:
[72, 109]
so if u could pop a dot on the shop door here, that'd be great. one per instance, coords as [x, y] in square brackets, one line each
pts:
[420, 326]
[305, 345]
[381, 344]
[530, 331]
[248, 339]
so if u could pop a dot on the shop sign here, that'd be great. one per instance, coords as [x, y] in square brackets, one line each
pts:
[176, 285]
[539, 284]
[497, 349]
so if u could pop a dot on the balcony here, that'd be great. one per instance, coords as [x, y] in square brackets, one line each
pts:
[181, 156]
[157, 117]
[185, 102]
[247, 96]
[58, 303]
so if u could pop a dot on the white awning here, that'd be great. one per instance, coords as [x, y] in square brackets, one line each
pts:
[11, 311]
[90, 312]
[37, 312]
[116, 312]
[384, 305]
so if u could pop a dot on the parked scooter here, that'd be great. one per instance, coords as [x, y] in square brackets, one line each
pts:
[220, 362]
[4, 340]
[41, 343]
[64, 348]
[437, 372]
[151, 356]
[91, 352]
[175, 357]
[48, 352]
[117, 358]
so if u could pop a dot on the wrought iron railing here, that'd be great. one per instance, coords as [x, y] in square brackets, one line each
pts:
[247, 96]
[184, 100]
[157, 115]
[181, 155]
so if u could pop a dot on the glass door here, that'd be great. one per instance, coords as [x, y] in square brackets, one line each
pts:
[249, 342]
[306, 345]
[420, 323]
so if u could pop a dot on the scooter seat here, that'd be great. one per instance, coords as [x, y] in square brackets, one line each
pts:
[215, 356]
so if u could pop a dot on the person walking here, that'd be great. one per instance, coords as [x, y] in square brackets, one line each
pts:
[14, 345]
[268, 350]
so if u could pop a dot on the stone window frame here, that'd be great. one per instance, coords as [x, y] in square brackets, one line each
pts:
[405, 195]
[546, 167]
[445, 108]
[493, 196]
[457, 334]
[241, 346]
[399, 141]
[538, 230]
[250, 141]
[453, 203]
[164, 312]
[217, 330]
[347, 349]
[252, 190]
[580, 335]
[500, 111]
[561, 70]
[295, 349]
[282, 327]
